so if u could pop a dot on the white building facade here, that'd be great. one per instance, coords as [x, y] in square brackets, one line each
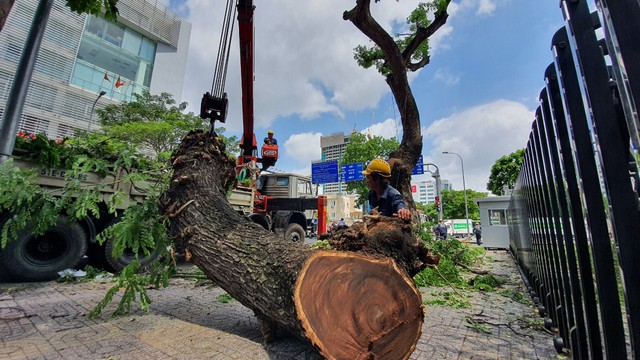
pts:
[83, 55]
[424, 192]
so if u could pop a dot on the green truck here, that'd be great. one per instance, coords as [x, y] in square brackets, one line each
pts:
[65, 244]
[284, 203]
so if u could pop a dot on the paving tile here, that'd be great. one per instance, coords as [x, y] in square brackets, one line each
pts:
[49, 321]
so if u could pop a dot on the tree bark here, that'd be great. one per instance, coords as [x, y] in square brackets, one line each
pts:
[5, 9]
[357, 304]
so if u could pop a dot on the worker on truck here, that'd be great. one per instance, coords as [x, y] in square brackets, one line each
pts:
[383, 196]
[270, 139]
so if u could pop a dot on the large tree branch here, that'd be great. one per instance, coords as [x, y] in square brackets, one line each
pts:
[5, 9]
[422, 34]
[361, 17]
[420, 64]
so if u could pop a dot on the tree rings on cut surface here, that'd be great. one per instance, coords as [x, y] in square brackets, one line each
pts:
[356, 307]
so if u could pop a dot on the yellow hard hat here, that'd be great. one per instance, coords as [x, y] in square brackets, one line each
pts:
[270, 132]
[378, 166]
[477, 223]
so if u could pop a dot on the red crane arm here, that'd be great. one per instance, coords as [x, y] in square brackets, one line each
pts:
[248, 142]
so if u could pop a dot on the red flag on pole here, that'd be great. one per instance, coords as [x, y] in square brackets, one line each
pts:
[120, 82]
[106, 76]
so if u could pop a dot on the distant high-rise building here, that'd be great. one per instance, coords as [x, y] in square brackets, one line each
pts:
[425, 191]
[333, 147]
[83, 55]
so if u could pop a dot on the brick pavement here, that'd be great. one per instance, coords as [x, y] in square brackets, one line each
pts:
[49, 321]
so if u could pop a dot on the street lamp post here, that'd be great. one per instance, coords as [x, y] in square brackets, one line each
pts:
[464, 188]
[436, 175]
[93, 107]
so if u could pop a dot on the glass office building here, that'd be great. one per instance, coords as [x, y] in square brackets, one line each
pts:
[82, 55]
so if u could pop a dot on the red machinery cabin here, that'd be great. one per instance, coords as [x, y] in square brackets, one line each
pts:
[269, 155]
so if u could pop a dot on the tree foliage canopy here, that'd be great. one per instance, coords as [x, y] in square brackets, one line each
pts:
[453, 204]
[363, 149]
[418, 20]
[505, 171]
[154, 123]
[106, 8]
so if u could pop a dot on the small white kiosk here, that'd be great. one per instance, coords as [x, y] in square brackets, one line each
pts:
[493, 220]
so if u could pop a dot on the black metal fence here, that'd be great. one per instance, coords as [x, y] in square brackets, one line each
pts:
[575, 211]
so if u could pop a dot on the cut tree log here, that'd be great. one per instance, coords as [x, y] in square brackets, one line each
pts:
[355, 304]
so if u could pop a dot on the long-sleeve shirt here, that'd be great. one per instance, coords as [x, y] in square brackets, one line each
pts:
[389, 203]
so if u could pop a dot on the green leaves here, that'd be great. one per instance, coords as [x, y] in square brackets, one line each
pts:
[505, 171]
[25, 201]
[418, 19]
[453, 204]
[95, 7]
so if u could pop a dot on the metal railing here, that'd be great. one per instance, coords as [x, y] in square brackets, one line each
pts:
[575, 213]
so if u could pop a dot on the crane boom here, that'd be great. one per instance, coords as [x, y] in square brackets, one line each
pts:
[248, 144]
[214, 104]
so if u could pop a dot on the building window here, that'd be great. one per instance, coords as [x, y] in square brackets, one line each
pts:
[109, 52]
[497, 217]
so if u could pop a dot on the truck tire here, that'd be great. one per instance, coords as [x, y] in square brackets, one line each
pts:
[260, 220]
[116, 264]
[294, 233]
[39, 258]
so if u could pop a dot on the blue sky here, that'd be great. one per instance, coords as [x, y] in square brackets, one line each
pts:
[476, 97]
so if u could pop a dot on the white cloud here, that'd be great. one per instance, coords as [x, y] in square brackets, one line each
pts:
[303, 148]
[444, 76]
[479, 7]
[480, 135]
[304, 64]
[486, 7]
[439, 40]
[387, 129]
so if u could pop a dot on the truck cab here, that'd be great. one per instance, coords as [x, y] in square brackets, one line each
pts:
[285, 186]
[282, 203]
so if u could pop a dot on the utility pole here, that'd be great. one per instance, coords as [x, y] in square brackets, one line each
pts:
[15, 103]
[436, 175]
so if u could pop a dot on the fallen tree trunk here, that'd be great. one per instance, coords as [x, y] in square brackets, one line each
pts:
[350, 305]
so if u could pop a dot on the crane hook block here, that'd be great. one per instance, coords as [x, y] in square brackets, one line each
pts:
[214, 107]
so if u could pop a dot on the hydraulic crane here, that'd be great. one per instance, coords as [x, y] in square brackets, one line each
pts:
[214, 104]
[291, 214]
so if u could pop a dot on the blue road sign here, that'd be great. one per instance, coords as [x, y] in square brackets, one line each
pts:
[419, 168]
[324, 172]
[352, 172]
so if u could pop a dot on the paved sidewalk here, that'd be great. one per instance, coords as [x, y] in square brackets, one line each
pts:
[49, 321]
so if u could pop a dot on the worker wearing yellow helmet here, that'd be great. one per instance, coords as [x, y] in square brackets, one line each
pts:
[270, 139]
[383, 196]
[477, 230]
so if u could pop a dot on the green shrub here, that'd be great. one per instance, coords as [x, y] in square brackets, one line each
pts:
[453, 254]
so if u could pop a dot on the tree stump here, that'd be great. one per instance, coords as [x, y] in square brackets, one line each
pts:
[354, 304]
